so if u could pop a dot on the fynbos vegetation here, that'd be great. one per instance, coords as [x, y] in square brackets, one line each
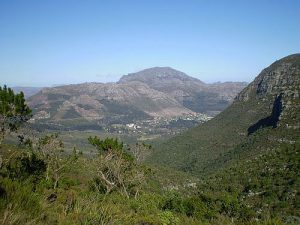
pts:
[241, 167]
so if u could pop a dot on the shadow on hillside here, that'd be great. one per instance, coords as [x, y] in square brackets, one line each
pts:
[270, 121]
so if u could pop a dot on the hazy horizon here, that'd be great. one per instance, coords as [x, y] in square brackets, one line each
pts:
[106, 82]
[68, 42]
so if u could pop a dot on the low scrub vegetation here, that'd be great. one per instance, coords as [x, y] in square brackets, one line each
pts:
[42, 183]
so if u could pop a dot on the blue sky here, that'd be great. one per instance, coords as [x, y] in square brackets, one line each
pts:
[59, 42]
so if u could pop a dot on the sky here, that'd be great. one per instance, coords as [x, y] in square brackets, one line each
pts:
[50, 42]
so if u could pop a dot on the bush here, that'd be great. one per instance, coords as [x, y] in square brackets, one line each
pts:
[25, 166]
[168, 218]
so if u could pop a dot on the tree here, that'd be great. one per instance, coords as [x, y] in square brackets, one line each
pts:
[115, 169]
[51, 149]
[13, 111]
[140, 151]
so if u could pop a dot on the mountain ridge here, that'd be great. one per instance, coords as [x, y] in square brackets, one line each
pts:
[173, 94]
[265, 113]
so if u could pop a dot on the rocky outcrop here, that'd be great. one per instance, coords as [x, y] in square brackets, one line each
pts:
[282, 77]
[281, 80]
[272, 120]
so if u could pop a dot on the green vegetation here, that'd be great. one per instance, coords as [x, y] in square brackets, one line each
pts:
[115, 169]
[113, 188]
[13, 111]
[258, 191]
[242, 167]
[263, 115]
[207, 142]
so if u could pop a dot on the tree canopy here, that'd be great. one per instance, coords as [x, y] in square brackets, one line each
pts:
[13, 111]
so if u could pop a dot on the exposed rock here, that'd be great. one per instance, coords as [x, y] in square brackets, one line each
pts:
[154, 92]
[188, 91]
[281, 77]
[268, 109]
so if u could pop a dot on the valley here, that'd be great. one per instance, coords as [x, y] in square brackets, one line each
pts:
[152, 103]
[121, 160]
[149, 112]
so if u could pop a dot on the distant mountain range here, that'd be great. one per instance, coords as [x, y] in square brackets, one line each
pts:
[154, 92]
[190, 92]
[28, 91]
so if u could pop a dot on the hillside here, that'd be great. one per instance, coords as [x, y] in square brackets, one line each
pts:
[192, 93]
[245, 170]
[93, 100]
[263, 116]
[159, 92]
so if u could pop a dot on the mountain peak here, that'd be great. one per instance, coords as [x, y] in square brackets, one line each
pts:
[157, 74]
[279, 78]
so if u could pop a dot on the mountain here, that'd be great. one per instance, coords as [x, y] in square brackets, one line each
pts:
[188, 91]
[247, 157]
[96, 100]
[264, 116]
[246, 162]
[28, 91]
[151, 93]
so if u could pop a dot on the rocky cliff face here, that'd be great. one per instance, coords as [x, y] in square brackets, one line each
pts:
[282, 77]
[278, 84]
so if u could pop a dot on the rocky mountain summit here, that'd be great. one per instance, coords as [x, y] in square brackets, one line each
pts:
[280, 77]
[279, 84]
[151, 93]
[191, 92]
[160, 78]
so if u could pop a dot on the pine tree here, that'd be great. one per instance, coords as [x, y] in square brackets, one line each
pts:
[13, 111]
